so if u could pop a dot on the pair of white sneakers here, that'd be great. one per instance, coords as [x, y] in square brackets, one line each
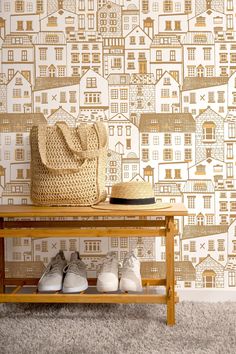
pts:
[59, 275]
[108, 277]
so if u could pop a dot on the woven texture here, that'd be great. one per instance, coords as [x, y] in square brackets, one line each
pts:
[132, 190]
[68, 164]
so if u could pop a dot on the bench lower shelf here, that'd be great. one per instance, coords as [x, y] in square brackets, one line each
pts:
[87, 298]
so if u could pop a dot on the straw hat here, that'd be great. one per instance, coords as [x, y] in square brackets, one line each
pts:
[131, 195]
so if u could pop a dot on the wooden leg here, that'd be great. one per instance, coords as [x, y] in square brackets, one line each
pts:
[170, 280]
[2, 260]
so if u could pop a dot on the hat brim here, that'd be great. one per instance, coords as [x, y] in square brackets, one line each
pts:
[109, 206]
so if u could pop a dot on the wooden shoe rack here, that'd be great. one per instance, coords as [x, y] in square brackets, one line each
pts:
[136, 224]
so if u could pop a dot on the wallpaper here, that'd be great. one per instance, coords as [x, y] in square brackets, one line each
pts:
[162, 76]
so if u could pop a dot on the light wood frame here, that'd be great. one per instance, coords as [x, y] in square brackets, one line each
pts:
[141, 226]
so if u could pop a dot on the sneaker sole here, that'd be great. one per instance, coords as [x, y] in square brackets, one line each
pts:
[129, 287]
[48, 288]
[107, 288]
[74, 290]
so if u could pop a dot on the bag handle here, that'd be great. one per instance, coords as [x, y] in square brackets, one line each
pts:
[43, 155]
[85, 154]
[82, 132]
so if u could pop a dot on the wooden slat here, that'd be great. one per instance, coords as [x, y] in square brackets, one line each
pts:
[16, 289]
[67, 232]
[86, 298]
[40, 211]
[91, 281]
[83, 223]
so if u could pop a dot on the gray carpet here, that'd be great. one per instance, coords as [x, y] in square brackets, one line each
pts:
[116, 329]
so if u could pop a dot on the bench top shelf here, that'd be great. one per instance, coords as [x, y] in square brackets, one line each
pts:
[8, 211]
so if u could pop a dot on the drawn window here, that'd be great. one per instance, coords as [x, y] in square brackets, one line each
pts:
[145, 155]
[232, 278]
[209, 131]
[114, 242]
[52, 21]
[168, 6]
[58, 52]
[168, 155]
[91, 82]
[19, 6]
[168, 174]
[209, 279]
[191, 202]
[168, 26]
[19, 139]
[191, 53]
[20, 26]
[200, 21]
[192, 247]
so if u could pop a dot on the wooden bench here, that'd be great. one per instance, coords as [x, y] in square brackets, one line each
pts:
[140, 226]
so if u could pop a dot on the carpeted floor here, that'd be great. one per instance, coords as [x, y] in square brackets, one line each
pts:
[117, 329]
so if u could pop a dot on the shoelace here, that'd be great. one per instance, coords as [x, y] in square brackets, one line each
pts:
[106, 265]
[129, 261]
[53, 267]
[74, 267]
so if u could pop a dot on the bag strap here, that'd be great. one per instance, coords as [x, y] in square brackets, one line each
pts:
[82, 132]
[84, 154]
[42, 152]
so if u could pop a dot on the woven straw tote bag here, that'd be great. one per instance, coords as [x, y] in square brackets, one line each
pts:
[68, 164]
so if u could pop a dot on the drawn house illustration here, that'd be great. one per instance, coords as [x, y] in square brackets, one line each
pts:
[84, 52]
[61, 20]
[18, 55]
[199, 197]
[53, 92]
[130, 167]
[142, 95]
[199, 93]
[225, 196]
[200, 241]
[167, 95]
[60, 115]
[166, 138]
[209, 135]
[93, 93]
[209, 20]
[119, 97]
[110, 20]
[225, 53]
[209, 274]
[123, 135]
[19, 95]
[199, 54]
[130, 17]
[185, 272]
[137, 52]
[50, 54]
[166, 55]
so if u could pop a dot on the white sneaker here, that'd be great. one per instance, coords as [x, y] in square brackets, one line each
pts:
[130, 274]
[75, 280]
[108, 276]
[52, 278]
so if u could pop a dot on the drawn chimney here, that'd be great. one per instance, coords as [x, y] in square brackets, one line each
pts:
[60, 4]
[208, 4]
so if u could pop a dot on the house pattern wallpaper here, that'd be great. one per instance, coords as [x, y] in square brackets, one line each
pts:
[162, 76]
